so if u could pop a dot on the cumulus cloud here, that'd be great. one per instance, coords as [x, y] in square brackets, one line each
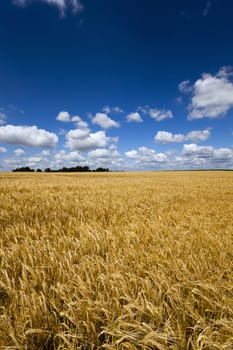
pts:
[3, 117]
[3, 150]
[19, 152]
[198, 151]
[84, 140]
[194, 136]
[62, 5]
[160, 115]
[146, 155]
[223, 154]
[192, 156]
[34, 160]
[79, 122]
[156, 114]
[64, 117]
[101, 153]
[134, 117]
[29, 136]
[218, 154]
[108, 109]
[213, 95]
[104, 121]
[207, 156]
[132, 154]
[45, 153]
[68, 158]
[105, 157]
[198, 135]
[12, 163]
[168, 137]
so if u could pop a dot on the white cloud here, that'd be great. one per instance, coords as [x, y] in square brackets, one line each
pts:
[223, 154]
[185, 86]
[82, 125]
[45, 153]
[106, 157]
[76, 118]
[19, 152]
[79, 122]
[3, 117]
[145, 155]
[198, 151]
[160, 115]
[198, 135]
[168, 137]
[64, 117]
[134, 117]
[192, 156]
[103, 153]
[84, 140]
[29, 136]
[108, 110]
[156, 114]
[213, 95]
[71, 157]
[194, 136]
[132, 154]
[62, 5]
[12, 163]
[34, 160]
[104, 121]
[207, 156]
[3, 150]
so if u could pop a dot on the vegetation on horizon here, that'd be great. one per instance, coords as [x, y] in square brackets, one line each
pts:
[62, 170]
[134, 261]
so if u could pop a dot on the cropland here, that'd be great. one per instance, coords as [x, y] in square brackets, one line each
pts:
[116, 260]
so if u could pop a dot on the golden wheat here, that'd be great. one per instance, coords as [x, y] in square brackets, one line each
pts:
[116, 261]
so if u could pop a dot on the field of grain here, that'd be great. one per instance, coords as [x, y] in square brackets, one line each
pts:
[116, 261]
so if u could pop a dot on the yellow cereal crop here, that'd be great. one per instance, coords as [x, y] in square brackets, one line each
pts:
[116, 261]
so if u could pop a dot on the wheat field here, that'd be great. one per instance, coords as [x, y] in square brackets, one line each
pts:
[116, 261]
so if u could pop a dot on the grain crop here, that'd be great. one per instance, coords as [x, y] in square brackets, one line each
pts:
[116, 260]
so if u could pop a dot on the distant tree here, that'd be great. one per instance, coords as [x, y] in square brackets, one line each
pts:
[24, 169]
[82, 168]
[101, 169]
[64, 170]
[38, 170]
[75, 169]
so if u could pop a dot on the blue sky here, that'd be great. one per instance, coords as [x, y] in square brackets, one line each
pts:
[131, 85]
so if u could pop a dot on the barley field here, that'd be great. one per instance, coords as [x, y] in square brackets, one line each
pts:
[116, 261]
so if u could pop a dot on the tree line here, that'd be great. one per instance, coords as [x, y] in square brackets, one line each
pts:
[62, 170]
